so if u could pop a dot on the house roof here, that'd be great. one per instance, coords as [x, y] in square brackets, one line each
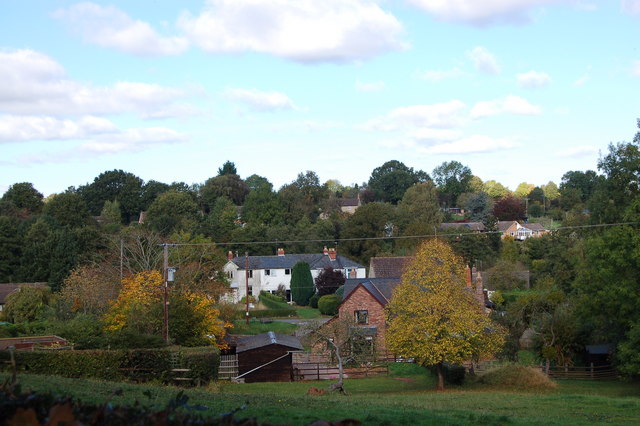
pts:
[266, 339]
[388, 267]
[288, 261]
[7, 288]
[349, 202]
[380, 288]
[535, 227]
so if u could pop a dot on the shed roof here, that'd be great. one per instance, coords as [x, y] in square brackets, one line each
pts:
[288, 261]
[380, 288]
[266, 339]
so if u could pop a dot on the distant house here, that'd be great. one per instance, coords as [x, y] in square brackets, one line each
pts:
[267, 273]
[7, 288]
[29, 343]
[267, 357]
[517, 230]
[349, 205]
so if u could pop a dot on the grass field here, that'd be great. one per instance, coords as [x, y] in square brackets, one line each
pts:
[406, 397]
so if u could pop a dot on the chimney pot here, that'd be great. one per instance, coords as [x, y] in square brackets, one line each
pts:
[325, 251]
[333, 254]
[230, 255]
[280, 252]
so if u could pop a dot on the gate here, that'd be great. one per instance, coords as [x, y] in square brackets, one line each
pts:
[228, 367]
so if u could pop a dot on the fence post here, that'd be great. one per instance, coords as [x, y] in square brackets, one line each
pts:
[318, 369]
[591, 369]
[566, 371]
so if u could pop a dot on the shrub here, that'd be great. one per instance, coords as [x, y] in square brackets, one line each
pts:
[313, 301]
[328, 305]
[130, 339]
[272, 301]
[203, 364]
[517, 376]
[340, 292]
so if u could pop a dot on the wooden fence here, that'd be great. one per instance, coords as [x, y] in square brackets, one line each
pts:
[307, 366]
[591, 372]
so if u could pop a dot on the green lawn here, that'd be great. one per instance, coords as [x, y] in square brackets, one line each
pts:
[404, 397]
[256, 327]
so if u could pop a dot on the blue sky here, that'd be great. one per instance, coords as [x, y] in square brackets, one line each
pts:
[518, 90]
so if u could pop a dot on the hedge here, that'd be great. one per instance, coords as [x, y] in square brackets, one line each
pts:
[272, 301]
[328, 304]
[138, 365]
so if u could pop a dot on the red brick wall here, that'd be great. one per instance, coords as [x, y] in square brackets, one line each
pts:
[360, 300]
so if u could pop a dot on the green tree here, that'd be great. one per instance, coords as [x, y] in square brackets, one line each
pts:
[228, 168]
[582, 184]
[10, 249]
[478, 206]
[301, 284]
[150, 191]
[264, 206]
[226, 185]
[523, 189]
[172, 211]
[255, 182]
[363, 230]
[495, 189]
[453, 178]
[392, 179]
[118, 185]
[433, 318]
[111, 212]
[67, 209]
[26, 305]
[25, 197]
[220, 222]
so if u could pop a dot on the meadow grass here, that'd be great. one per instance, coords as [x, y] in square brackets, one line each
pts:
[405, 397]
[256, 327]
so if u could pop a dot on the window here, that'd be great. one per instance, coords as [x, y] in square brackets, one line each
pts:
[267, 271]
[362, 317]
[287, 271]
[230, 274]
[250, 273]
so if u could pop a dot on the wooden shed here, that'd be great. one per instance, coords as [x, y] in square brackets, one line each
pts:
[267, 357]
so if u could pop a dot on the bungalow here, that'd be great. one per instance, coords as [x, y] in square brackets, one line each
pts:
[267, 273]
[512, 228]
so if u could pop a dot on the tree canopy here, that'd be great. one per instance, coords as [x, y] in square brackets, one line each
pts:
[392, 179]
[433, 318]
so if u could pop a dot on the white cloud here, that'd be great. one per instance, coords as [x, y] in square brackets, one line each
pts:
[578, 151]
[35, 84]
[581, 81]
[19, 128]
[484, 60]
[533, 79]
[635, 70]
[475, 144]
[132, 140]
[439, 75]
[444, 115]
[435, 136]
[373, 86]
[482, 13]
[107, 26]
[261, 101]
[300, 30]
[632, 7]
[510, 104]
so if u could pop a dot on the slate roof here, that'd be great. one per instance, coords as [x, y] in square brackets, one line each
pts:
[266, 339]
[349, 202]
[388, 267]
[380, 288]
[288, 261]
[535, 227]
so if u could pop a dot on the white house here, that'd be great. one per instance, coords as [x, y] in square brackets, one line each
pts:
[269, 272]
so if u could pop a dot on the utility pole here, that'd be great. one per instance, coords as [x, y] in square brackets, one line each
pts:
[246, 282]
[165, 323]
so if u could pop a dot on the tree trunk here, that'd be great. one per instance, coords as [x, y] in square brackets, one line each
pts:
[440, 371]
[339, 385]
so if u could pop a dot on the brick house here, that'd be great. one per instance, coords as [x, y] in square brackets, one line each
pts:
[363, 303]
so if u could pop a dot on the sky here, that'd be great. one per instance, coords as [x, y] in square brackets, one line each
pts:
[517, 90]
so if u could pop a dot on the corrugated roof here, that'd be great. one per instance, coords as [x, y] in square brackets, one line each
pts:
[380, 288]
[266, 339]
[288, 261]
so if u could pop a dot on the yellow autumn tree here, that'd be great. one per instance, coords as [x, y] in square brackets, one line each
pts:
[432, 316]
[193, 320]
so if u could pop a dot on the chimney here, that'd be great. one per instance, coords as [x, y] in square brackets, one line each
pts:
[230, 255]
[479, 288]
[333, 254]
[325, 251]
[467, 274]
[280, 252]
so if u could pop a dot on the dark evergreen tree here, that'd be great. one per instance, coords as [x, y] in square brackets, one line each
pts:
[301, 284]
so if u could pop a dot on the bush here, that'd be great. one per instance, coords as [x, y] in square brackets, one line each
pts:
[203, 364]
[340, 292]
[272, 301]
[328, 305]
[517, 376]
[130, 339]
[313, 301]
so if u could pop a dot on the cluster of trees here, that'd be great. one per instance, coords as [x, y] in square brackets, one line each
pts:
[582, 275]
